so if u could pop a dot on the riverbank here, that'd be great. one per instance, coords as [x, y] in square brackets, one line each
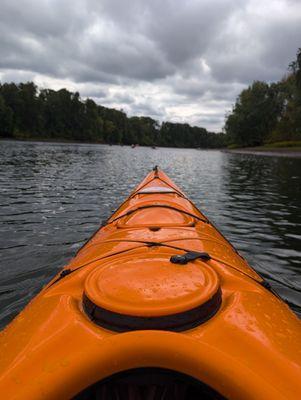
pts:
[293, 152]
[46, 140]
[79, 142]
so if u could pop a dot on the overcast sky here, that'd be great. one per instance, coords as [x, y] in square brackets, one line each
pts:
[176, 60]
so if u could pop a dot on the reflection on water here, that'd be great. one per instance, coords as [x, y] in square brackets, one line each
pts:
[53, 196]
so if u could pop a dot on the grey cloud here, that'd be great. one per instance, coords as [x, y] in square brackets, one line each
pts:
[125, 98]
[150, 57]
[17, 76]
[116, 98]
[286, 39]
[185, 31]
[147, 109]
[205, 88]
[44, 19]
[96, 92]
[257, 46]
[127, 58]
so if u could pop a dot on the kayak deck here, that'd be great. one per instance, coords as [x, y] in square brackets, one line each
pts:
[158, 287]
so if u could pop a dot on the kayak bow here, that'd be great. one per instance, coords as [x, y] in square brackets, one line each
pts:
[156, 305]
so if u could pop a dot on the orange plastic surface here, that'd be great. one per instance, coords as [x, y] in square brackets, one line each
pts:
[250, 349]
[150, 286]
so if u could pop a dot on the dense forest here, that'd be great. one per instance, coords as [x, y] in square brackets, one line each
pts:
[29, 113]
[267, 113]
[263, 113]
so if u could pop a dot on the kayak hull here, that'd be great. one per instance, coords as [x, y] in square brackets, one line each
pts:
[249, 348]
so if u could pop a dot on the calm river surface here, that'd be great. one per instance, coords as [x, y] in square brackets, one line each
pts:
[54, 196]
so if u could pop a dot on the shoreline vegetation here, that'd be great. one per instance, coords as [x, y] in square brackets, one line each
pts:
[265, 118]
[268, 115]
[29, 113]
[267, 150]
[285, 148]
[293, 152]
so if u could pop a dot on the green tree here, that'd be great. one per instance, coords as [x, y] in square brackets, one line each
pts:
[143, 130]
[254, 115]
[27, 112]
[6, 119]
[93, 125]
[295, 68]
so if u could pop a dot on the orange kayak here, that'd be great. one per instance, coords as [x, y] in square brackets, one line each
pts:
[156, 305]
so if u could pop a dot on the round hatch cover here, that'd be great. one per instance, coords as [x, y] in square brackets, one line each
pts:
[151, 293]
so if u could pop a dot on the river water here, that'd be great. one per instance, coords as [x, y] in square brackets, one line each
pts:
[53, 196]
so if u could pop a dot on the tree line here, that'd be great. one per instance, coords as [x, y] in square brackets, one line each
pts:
[27, 112]
[267, 112]
[263, 113]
